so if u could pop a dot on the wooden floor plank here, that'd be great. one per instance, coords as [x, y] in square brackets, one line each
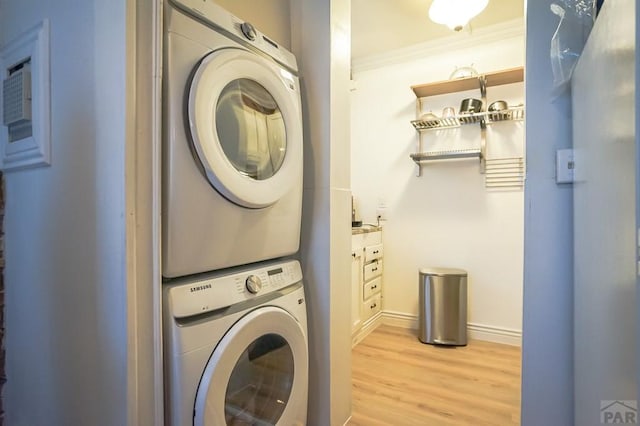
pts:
[397, 380]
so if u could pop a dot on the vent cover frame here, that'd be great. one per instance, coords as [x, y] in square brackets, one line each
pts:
[25, 140]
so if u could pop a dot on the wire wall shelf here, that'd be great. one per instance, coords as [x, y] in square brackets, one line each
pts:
[445, 155]
[504, 172]
[422, 92]
[512, 114]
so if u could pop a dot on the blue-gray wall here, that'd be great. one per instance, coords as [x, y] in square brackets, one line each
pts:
[547, 353]
[65, 276]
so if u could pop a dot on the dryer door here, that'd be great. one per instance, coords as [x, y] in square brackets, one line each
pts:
[246, 126]
[257, 374]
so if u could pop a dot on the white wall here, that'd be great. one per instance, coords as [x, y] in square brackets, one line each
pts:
[446, 217]
[547, 354]
[65, 287]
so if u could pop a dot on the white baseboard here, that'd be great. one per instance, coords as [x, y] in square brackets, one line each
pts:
[495, 334]
[399, 319]
[475, 331]
[370, 325]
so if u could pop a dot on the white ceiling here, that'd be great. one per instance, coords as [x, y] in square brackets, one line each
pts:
[378, 26]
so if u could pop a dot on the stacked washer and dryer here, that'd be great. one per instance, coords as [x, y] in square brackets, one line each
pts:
[234, 322]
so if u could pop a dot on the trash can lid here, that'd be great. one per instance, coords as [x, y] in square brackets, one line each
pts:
[443, 272]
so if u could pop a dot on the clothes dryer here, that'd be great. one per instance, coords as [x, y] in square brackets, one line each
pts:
[235, 348]
[232, 142]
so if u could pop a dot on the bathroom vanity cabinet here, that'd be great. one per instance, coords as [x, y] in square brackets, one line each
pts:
[366, 281]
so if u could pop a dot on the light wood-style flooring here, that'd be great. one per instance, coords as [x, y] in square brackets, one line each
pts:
[399, 381]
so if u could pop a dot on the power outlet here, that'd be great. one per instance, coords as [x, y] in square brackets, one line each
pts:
[381, 213]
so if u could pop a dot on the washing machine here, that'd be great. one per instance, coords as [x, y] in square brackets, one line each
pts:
[236, 348]
[232, 142]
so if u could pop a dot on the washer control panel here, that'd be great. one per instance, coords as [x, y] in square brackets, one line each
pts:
[253, 284]
[218, 291]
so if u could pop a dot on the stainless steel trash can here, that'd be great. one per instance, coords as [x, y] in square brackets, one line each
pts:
[443, 306]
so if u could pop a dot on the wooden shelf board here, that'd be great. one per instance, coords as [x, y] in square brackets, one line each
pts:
[497, 78]
[446, 86]
[513, 75]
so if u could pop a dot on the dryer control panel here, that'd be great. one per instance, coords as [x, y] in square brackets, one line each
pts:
[220, 291]
[217, 17]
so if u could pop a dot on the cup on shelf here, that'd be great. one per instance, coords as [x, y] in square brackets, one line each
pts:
[429, 117]
[448, 112]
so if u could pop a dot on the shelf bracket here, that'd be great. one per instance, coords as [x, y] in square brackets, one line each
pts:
[483, 146]
[419, 144]
[482, 80]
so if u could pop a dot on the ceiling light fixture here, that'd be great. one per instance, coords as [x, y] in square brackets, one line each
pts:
[455, 14]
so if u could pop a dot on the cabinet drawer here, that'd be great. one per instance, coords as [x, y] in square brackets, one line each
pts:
[372, 287]
[357, 242]
[372, 238]
[372, 270]
[371, 306]
[372, 253]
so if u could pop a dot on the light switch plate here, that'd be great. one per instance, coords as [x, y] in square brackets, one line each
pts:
[565, 166]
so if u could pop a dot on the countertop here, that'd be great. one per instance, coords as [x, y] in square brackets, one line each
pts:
[364, 229]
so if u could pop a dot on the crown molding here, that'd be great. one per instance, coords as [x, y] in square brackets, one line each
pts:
[491, 34]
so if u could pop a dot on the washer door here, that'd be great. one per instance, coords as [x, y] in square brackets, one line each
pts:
[257, 374]
[245, 123]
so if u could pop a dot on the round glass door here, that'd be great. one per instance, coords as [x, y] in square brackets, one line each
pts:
[245, 125]
[261, 382]
[257, 375]
[251, 129]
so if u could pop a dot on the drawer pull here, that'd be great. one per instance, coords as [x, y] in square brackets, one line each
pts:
[373, 287]
[353, 255]
[374, 269]
[376, 252]
[373, 306]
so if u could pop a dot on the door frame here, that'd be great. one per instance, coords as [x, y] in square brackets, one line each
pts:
[142, 203]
